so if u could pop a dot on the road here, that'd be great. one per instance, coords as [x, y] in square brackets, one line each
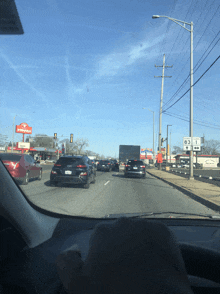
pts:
[111, 194]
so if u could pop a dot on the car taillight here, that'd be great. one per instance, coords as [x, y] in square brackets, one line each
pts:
[57, 164]
[53, 172]
[108, 163]
[142, 165]
[83, 174]
[15, 164]
[81, 166]
[127, 165]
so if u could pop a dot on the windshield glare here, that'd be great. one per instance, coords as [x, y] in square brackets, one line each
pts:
[127, 92]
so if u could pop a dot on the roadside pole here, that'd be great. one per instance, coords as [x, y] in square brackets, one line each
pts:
[161, 103]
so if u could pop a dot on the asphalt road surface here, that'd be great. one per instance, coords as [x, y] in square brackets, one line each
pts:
[112, 193]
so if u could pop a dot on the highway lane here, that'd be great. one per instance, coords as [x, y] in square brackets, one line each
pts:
[111, 194]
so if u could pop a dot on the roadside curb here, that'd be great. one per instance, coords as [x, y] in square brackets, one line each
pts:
[193, 196]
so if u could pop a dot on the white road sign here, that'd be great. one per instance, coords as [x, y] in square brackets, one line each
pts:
[187, 146]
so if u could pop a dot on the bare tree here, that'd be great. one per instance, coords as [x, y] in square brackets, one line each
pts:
[42, 140]
[81, 143]
[177, 150]
[211, 147]
[3, 140]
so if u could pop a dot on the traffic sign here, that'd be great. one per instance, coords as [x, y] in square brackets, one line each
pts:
[195, 145]
[187, 144]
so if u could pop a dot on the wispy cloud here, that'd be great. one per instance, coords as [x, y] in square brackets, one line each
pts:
[115, 63]
[24, 80]
[71, 88]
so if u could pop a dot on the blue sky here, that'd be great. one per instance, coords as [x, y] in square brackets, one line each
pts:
[87, 68]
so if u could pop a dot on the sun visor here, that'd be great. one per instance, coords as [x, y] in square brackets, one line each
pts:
[10, 23]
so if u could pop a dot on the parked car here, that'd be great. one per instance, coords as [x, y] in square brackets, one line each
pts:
[104, 165]
[135, 168]
[22, 167]
[73, 170]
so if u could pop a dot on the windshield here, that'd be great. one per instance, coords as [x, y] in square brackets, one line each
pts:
[132, 87]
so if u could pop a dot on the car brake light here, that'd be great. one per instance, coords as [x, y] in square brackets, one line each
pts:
[15, 164]
[53, 172]
[108, 163]
[83, 174]
[142, 165]
[57, 164]
[127, 165]
[81, 166]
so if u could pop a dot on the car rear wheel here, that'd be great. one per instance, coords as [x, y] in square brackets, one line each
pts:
[40, 176]
[25, 179]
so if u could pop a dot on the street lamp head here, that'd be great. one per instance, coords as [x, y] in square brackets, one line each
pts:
[155, 16]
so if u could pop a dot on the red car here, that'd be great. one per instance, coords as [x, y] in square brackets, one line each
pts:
[22, 167]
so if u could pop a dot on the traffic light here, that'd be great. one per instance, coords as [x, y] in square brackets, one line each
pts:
[55, 135]
[71, 138]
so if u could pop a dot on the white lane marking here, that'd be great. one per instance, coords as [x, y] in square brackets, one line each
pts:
[106, 183]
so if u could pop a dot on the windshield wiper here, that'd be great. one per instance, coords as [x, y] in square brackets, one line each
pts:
[172, 214]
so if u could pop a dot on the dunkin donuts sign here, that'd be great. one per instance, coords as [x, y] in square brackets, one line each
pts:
[23, 128]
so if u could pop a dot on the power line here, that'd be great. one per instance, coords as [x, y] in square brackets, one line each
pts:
[197, 66]
[193, 84]
[194, 49]
[195, 120]
[204, 125]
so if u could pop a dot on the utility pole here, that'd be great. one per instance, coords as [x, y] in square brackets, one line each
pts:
[13, 134]
[167, 145]
[161, 101]
[170, 147]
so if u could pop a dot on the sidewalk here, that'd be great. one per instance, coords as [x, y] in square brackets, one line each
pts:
[207, 194]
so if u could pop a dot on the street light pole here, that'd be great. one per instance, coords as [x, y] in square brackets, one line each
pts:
[191, 101]
[13, 134]
[180, 22]
[167, 145]
[153, 134]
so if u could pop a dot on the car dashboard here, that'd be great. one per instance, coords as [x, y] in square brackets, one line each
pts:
[33, 270]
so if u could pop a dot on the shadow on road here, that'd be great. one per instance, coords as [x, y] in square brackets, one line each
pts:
[62, 185]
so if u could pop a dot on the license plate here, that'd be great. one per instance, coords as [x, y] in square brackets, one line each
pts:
[68, 172]
[135, 167]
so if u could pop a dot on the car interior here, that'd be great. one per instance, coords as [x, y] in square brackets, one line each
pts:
[32, 238]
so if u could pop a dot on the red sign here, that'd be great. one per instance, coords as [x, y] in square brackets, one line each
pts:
[159, 158]
[23, 128]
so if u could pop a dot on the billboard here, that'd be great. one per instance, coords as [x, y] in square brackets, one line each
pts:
[23, 128]
[25, 145]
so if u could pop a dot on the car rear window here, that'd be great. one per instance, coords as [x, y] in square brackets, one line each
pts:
[10, 157]
[68, 161]
[135, 162]
[104, 162]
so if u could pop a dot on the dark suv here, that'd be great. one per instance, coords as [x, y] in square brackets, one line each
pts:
[105, 165]
[73, 170]
[135, 168]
